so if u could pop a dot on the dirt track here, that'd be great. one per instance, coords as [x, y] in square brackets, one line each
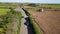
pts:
[49, 21]
[23, 28]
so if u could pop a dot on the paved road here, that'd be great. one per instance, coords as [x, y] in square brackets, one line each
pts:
[23, 28]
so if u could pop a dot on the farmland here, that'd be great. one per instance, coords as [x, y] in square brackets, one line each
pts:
[7, 5]
[38, 22]
[49, 20]
[4, 7]
[9, 19]
[4, 11]
[44, 6]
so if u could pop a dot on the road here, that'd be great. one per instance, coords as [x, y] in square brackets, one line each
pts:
[23, 28]
[26, 27]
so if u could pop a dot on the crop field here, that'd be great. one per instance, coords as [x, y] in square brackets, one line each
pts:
[4, 11]
[44, 6]
[7, 6]
[49, 20]
[4, 8]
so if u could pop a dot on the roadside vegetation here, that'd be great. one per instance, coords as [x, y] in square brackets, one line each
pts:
[10, 23]
[10, 20]
[34, 25]
[19, 16]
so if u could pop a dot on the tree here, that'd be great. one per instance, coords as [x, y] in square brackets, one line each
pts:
[32, 4]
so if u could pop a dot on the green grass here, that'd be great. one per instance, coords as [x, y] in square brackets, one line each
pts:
[8, 19]
[6, 6]
[4, 11]
[50, 5]
[45, 6]
[19, 24]
[32, 8]
[1, 29]
[35, 26]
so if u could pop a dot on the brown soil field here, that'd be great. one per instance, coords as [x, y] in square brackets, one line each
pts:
[48, 21]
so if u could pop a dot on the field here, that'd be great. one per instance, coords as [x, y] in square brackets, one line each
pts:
[49, 20]
[4, 8]
[44, 6]
[9, 19]
[7, 5]
[4, 11]
[46, 22]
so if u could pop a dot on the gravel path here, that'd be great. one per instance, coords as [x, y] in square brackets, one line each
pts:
[23, 27]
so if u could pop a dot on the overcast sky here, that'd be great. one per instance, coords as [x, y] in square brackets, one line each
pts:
[33, 1]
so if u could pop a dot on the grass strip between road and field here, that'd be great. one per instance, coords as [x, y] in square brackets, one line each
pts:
[8, 19]
[35, 26]
[19, 24]
[19, 20]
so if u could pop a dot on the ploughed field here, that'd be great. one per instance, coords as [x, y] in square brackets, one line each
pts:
[48, 21]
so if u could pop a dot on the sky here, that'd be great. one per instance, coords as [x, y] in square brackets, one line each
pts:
[33, 1]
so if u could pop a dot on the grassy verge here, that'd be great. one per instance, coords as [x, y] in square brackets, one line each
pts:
[7, 20]
[19, 20]
[35, 26]
[19, 15]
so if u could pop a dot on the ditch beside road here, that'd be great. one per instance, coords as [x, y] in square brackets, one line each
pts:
[25, 23]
